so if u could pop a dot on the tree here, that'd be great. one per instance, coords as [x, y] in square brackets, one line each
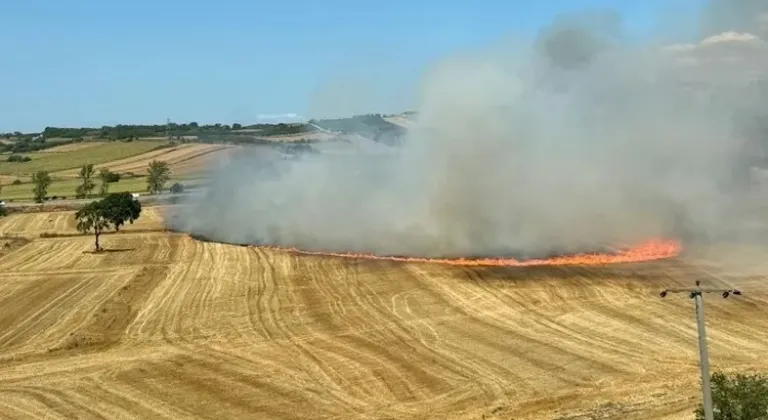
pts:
[158, 173]
[177, 188]
[104, 189]
[738, 397]
[42, 181]
[92, 217]
[119, 208]
[86, 186]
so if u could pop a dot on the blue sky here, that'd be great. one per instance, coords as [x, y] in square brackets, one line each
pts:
[97, 62]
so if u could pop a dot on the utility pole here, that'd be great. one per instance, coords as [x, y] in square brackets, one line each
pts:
[696, 295]
[168, 128]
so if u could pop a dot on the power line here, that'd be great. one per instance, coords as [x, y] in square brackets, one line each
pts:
[696, 294]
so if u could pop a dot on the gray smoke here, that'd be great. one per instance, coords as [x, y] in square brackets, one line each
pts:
[579, 140]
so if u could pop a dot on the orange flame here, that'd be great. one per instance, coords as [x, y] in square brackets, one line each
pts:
[647, 251]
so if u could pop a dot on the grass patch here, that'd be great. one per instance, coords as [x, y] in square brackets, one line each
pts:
[102, 153]
[66, 187]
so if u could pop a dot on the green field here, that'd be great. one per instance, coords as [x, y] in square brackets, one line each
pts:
[53, 162]
[66, 187]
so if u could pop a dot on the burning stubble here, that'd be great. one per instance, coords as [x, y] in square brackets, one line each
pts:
[573, 143]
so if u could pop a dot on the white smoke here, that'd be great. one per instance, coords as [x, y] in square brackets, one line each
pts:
[576, 141]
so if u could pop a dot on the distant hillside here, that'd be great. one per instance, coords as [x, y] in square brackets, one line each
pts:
[372, 126]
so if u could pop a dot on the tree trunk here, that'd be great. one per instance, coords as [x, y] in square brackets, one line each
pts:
[98, 248]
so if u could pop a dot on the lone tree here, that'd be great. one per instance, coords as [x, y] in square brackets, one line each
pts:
[119, 208]
[92, 217]
[158, 173]
[738, 397]
[86, 185]
[103, 176]
[42, 181]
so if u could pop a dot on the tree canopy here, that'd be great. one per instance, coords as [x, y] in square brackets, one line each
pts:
[92, 217]
[738, 397]
[86, 186]
[119, 208]
[158, 174]
[114, 210]
[41, 180]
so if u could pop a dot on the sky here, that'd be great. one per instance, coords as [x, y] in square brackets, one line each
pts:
[92, 62]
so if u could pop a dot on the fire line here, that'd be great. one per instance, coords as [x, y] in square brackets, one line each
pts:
[656, 249]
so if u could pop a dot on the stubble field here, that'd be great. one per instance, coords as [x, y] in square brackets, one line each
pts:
[165, 327]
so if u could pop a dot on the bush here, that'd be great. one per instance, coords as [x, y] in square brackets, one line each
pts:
[111, 177]
[738, 397]
[18, 158]
[16, 182]
[3, 211]
[177, 188]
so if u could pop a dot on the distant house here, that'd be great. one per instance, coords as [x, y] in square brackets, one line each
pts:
[135, 196]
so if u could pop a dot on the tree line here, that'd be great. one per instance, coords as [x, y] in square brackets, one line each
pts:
[358, 123]
[32, 144]
[158, 175]
[133, 131]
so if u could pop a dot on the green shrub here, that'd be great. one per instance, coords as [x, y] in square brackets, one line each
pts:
[18, 158]
[738, 397]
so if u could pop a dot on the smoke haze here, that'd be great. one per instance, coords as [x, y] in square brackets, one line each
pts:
[578, 140]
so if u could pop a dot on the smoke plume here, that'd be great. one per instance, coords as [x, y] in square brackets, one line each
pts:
[579, 140]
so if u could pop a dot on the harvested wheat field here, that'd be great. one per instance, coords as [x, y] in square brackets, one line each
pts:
[185, 158]
[71, 147]
[166, 327]
[32, 225]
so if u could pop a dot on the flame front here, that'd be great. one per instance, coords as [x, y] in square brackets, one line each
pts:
[647, 251]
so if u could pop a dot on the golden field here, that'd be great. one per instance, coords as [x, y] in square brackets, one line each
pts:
[182, 159]
[166, 327]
